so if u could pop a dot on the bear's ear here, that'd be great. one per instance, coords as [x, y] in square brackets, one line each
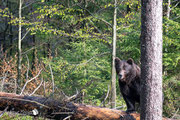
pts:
[117, 64]
[117, 61]
[130, 61]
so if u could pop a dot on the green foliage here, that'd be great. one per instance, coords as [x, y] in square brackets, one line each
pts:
[82, 68]
[171, 98]
[171, 46]
[12, 116]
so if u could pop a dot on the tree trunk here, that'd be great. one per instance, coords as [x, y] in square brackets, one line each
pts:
[10, 31]
[53, 109]
[4, 43]
[44, 51]
[48, 42]
[49, 108]
[168, 16]
[11, 40]
[151, 60]
[34, 52]
[113, 87]
[168, 9]
[167, 27]
[18, 84]
[4, 35]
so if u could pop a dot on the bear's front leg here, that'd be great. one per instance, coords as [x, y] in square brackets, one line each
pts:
[130, 104]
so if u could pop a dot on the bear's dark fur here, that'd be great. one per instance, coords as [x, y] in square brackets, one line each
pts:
[129, 82]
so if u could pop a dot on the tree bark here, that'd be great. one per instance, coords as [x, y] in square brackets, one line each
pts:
[168, 9]
[113, 77]
[18, 83]
[53, 109]
[5, 43]
[34, 52]
[167, 26]
[11, 38]
[151, 60]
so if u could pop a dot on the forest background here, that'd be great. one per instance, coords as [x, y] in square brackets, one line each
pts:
[67, 48]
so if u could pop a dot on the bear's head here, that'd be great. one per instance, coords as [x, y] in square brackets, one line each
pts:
[126, 70]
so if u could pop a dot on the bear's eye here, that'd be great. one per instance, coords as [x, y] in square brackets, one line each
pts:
[126, 69]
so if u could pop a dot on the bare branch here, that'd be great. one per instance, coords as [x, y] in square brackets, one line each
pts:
[32, 48]
[29, 81]
[97, 55]
[175, 113]
[120, 107]
[4, 77]
[37, 88]
[96, 17]
[2, 113]
[30, 4]
[72, 97]
[176, 4]
[44, 87]
[27, 73]
[176, 17]
[106, 96]
[68, 117]
[52, 77]
[25, 35]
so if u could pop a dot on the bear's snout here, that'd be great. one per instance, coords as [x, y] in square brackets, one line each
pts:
[121, 75]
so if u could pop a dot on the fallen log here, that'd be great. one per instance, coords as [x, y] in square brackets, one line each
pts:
[53, 109]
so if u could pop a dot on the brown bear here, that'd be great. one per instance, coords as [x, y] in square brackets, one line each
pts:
[129, 82]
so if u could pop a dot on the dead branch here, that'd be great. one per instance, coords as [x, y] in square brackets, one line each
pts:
[37, 87]
[52, 77]
[29, 81]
